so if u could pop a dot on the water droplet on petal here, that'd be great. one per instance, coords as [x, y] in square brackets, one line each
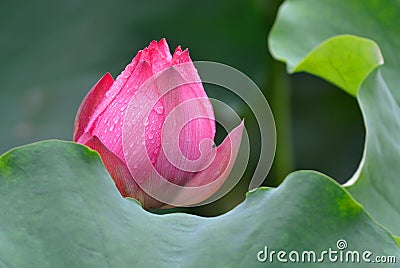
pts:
[116, 119]
[155, 151]
[159, 109]
[112, 128]
[146, 122]
[151, 136]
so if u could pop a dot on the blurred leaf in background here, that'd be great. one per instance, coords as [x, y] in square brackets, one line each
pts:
[52, 52]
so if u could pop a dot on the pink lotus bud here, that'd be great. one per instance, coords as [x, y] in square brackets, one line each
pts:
[155, 124]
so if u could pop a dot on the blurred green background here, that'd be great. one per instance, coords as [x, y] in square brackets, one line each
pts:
[52, 52]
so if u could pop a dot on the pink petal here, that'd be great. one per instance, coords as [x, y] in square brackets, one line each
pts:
[207, 182]
[180, 56]
[126, 121]
[164, 49]
[204, 184]
[157, 55]
[139, 130]
[187, 140]
[108, 127]
[223, 163]
[120, 173]
[143, 134]
[90, 103]
[192, 125]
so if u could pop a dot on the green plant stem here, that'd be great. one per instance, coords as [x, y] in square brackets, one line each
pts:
[277, 90]
[279, 99]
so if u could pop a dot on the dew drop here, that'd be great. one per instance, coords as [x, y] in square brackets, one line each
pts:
[123, 108]
[146, 122]
[111, 128]
[116, 119]
[151, 136]
[159, 109]
[155, 151]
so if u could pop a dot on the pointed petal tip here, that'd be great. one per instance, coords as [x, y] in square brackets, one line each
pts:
[181, 56]
[216, 174]
[178, 49]
[107, 75]
[240, 126]
[163, 48]
[89, 104]
[153, 44]
[235, 137]
[206, 183]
